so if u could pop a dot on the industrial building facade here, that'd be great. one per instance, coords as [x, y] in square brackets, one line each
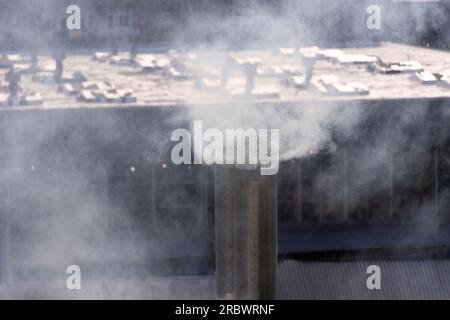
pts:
[87, 176]
[138, 198]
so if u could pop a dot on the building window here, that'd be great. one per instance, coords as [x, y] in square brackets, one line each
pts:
[91, 20]
[111, 21]
[124, 20]
[134, 21]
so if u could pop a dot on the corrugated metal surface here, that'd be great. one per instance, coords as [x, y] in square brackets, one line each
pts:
[412, 279]
[408, 279]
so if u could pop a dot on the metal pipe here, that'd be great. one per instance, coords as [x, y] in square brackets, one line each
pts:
[255, 234]
[308, 60]
[225, 74]
[250, 73]
[224, 231]
[246, 233]
[13, 77]
[5, 257]
[59, 55]
[436, 180]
